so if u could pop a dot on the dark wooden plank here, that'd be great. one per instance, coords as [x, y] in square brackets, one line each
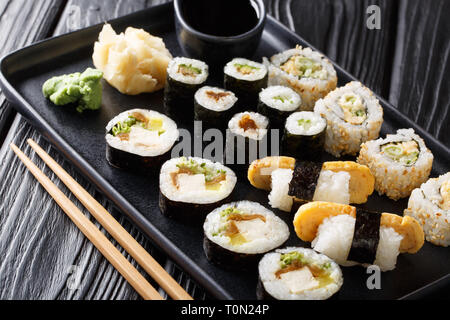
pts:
[23, 22]
[421, 70]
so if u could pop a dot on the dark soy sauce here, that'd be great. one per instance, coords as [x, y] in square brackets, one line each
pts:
[223, 18]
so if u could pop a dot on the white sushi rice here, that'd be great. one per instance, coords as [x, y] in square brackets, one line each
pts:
[318, 124]
[261, 236]
[343, 137]
[430, 205]
[193, 188]
[393, 178]
[331, 187]
[261, 122]
[281, 98]
[281, 289]
[310, 89]
[144, 142]
[335, 235]
[173, 72]
[208, 102]
[258, 73]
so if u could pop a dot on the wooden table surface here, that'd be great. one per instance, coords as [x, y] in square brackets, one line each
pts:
[44, 256]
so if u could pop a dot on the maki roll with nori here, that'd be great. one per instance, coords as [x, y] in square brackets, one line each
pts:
[246, 134]
[213, 105]
[307, 72]
[239, 233]
[304, 136]
[400, 163]
[295, 182]
[277, 103]
[353, 236]
[246, 79]
[430, 205]
[298, 274]
[190, 188]
[140, 140]
[354, 115]
[184, 77]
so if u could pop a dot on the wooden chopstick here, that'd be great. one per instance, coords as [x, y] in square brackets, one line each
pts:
[126, 269]
[115, 229]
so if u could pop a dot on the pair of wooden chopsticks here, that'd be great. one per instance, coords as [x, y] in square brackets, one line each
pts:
[126, 269]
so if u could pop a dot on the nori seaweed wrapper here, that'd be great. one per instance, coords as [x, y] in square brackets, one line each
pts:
[246, 91]
[179, 99]
[228, 259]
[304, 180]
[277, 117]
[303, 147]
[366, 237]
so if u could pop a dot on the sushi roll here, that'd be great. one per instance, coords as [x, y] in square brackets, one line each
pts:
[353, 236]
[400, 163]
[277, 103]
[246, 79]
[192, 187]
[430, 205]
[184, 77]
[239, 233]
[298, 274]
[140, 140]
[354, 115]
[290, 181]
[212, 105]
[306, 71]
[304, 136]
[245, 135]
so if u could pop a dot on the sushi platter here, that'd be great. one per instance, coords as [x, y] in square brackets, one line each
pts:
[348, 176]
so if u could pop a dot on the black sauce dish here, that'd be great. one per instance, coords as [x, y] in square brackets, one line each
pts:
[210, 30]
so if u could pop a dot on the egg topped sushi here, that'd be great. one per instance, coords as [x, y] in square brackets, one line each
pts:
[192, 187]
[138, 139]
[238, 233]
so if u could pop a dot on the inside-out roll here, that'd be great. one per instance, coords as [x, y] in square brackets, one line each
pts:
[354, 115]
[400, 162]
[430, 205]
[298, 274]
[306, 71]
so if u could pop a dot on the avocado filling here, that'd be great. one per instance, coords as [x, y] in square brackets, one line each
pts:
[213, 177]
[188, 70]
[230, 216]
[245, 69]
[406, 152]
[303, 67]
[305, 124]
[122, 129]
[353, 107]
[293, 261]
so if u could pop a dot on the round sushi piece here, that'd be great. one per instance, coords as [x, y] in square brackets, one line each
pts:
[184, 77]
[246, 79]
[212, 105]
[354, 115]
[140, 139]
[400, 162]
[192, 187]
[298, 274]
[239, 233]
[306, 71]
[430, 205]
[245, 134]
[304, 136]
[277, 103]
[353, 236]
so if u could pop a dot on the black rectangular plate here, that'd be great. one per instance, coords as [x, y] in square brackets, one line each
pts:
[80, 137]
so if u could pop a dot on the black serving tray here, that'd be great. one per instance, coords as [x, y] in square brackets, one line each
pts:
[80, 137]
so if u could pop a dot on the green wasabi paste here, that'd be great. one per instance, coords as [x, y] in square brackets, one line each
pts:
[83, 89]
